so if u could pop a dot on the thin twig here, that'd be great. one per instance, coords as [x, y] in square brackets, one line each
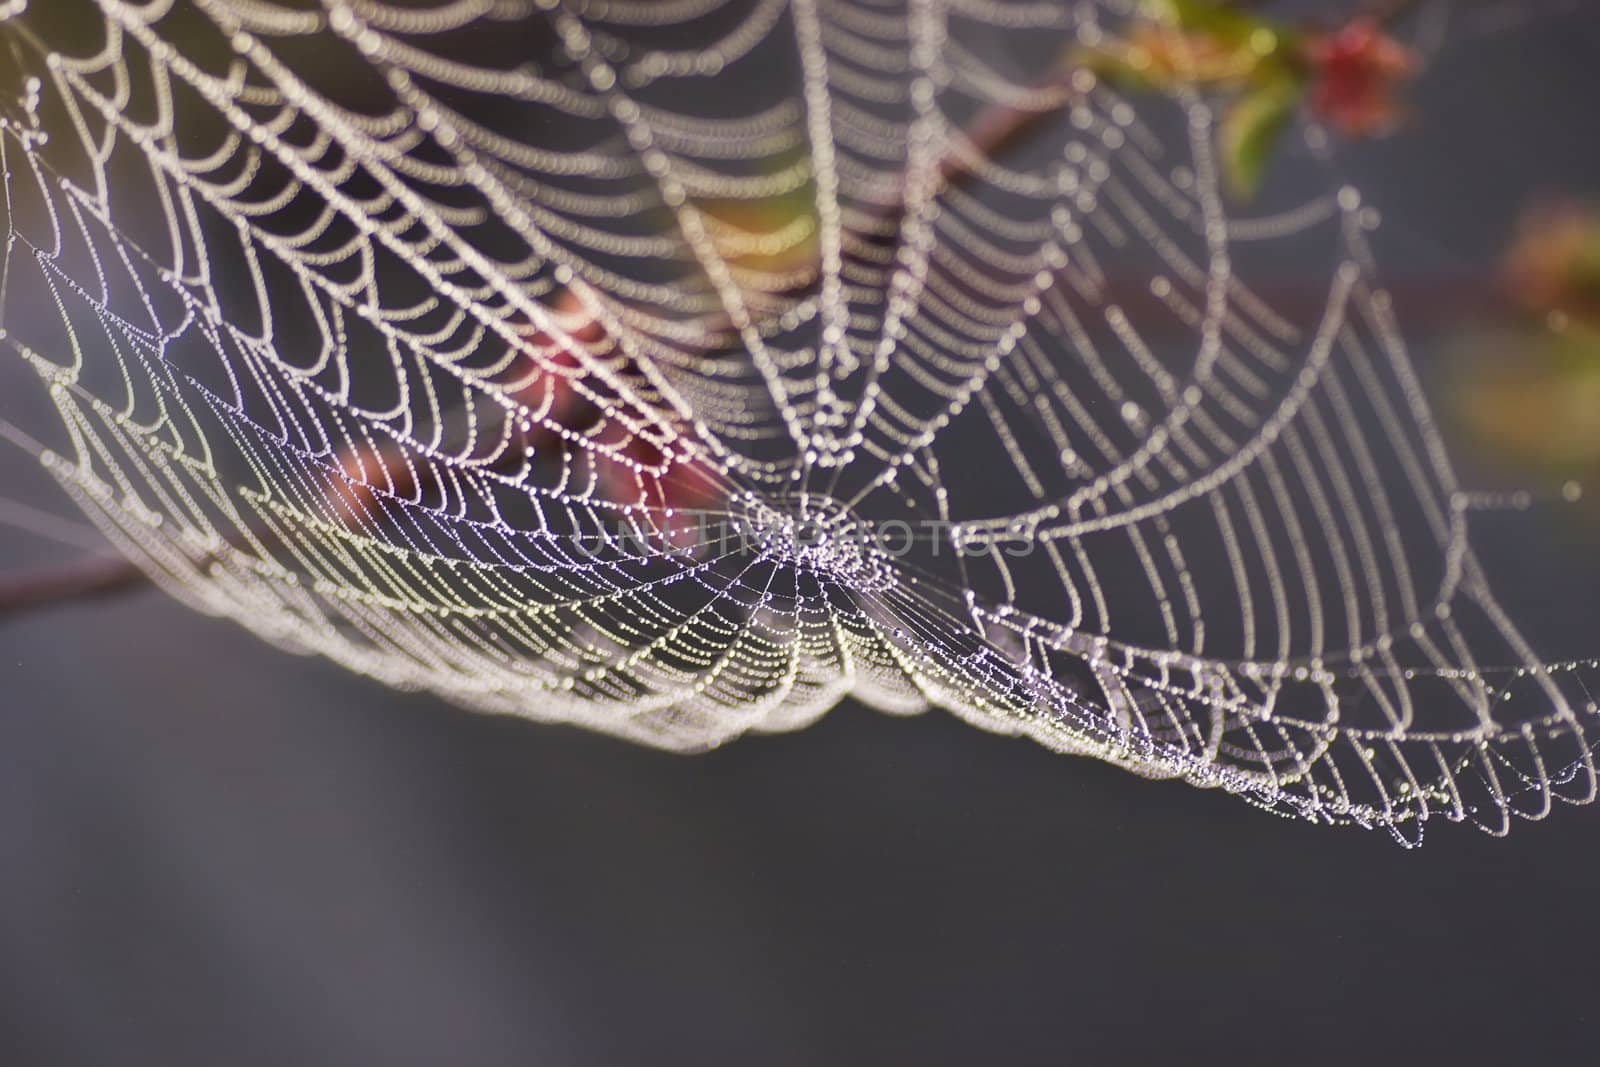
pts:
[85, 579]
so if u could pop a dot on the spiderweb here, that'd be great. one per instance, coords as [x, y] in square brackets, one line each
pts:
[428, 336]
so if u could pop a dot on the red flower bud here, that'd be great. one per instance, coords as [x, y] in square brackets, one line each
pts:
[1357, 69]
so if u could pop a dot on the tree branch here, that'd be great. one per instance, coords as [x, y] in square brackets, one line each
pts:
[85, 579]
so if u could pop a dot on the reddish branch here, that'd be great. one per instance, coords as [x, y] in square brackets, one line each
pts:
[86, 579]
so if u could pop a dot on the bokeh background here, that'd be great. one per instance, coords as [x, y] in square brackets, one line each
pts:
[215, 853]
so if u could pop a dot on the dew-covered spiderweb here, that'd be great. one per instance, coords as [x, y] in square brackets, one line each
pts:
[450, 339]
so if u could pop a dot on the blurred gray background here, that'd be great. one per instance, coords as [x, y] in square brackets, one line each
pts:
[215, 853]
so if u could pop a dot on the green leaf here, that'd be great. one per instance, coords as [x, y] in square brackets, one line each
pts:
[1251, 130]
[1586, 264]
[1219, 19]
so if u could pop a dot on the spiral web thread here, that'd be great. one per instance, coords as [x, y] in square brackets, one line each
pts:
[412, 334]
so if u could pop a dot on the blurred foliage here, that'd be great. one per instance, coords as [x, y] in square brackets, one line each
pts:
[1347, 76]
[1528, 392]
